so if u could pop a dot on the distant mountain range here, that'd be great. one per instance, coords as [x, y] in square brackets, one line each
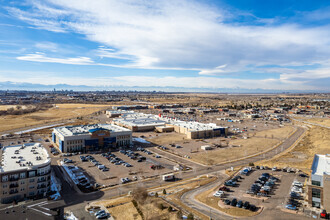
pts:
[8, 85]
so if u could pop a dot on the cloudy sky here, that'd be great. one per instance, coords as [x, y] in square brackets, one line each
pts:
[274, 44]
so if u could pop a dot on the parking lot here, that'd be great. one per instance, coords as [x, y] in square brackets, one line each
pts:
[111, 168]
[278, 196]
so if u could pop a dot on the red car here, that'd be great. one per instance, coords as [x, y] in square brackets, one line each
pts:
[225, 189]
[324, 214]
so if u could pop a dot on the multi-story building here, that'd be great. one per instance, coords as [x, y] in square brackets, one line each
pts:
[91, 137]
[319, 184]
[24, 172]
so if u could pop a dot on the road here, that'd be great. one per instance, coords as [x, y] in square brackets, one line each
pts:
[189, 197]
[310, 123]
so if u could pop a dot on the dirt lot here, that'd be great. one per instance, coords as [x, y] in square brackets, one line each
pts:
[64, 111]
[141, 170]
[316, 141]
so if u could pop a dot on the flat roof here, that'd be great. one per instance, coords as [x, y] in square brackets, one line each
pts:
[25, 156]
[321, 164]
[32, 209]
[140, 119]
[68, 131]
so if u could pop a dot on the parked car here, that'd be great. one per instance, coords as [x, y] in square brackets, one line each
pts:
[102, 216]
[219, 194]
[253, 208]
[298, 184]
[233, 202]
[227, 201]
[230, 183]
[324, 214]
[239, 204]
[291, 207]
[246, 205]
[225, 189]
[303, 175]
[99, 212]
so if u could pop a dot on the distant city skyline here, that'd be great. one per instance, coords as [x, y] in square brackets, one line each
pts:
[251, 45]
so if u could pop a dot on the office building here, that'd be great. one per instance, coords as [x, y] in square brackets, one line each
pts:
[319, 183]
[84, 138]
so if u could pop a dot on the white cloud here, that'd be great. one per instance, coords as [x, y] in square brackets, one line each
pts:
[162, 82]
[178, 34]
[50, 46]
[40, 57]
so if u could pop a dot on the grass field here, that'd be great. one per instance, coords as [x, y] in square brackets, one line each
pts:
[316, 141]
[244, 147]
[64, 111]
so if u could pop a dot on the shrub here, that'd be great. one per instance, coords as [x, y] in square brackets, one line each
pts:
[190, 216]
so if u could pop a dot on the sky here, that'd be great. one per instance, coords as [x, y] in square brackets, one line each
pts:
[273, 44]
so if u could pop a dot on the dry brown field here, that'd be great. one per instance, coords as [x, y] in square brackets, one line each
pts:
[320, 121]
[123, 209]
[262, 141]
[316, 141]
[63, 112]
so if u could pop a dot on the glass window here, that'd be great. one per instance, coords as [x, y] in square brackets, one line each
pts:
[316, 204]
[316, 193]
[22, 175]
[31, 180]
[4, 178]
[316, 183]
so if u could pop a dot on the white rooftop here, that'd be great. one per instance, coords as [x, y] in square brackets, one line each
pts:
[22, 157]
[321, 164]
[86, 129]
[141, 119]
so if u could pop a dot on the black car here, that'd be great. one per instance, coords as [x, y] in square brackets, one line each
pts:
[246, 205]
[227, 201]
[233, 202]
[303, 175]
[253, 208]
[265, 175]
[239, 204]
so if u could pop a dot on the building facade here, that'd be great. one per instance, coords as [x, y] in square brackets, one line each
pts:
[319, 183]
[24, 173]
[91, 137]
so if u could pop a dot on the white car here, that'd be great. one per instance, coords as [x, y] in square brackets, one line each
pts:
[298, 184]
[296, 189]
[219, 194]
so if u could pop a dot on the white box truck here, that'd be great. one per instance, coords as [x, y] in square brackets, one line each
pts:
[168, 177]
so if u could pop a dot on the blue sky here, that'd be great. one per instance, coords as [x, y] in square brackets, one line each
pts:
[275, 44]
